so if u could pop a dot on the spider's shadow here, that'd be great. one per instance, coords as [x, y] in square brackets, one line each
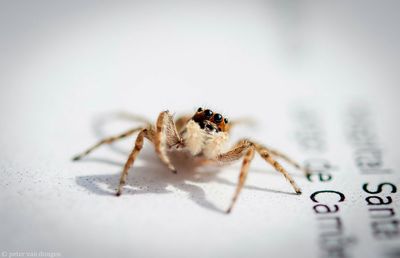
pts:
[154, 177]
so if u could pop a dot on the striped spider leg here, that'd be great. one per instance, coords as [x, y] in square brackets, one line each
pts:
[245, 149]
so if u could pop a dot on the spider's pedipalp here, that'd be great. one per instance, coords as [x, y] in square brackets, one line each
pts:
[166, 136]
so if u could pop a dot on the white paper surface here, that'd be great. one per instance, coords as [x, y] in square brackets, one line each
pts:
[320, 80]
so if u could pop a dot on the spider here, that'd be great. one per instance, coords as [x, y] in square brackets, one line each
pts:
[203, 135]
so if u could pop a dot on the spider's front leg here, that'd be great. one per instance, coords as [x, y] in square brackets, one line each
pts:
[246, 148]
[278, 154]
[243, 148]
[267, 156]
[149, 134]
[166, 137]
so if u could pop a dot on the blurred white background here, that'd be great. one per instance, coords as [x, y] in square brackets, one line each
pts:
[65, 64]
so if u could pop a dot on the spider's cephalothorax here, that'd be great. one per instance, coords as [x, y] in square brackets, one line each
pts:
[204, 135]
[210, 121]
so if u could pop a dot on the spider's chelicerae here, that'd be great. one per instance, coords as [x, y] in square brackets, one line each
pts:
[203, 135]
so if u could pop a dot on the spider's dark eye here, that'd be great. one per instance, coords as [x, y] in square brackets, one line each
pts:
[225, 120]
[208, 113]
[199, 109]
[217, 118]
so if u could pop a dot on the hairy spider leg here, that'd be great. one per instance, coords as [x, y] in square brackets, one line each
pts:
[107, 140]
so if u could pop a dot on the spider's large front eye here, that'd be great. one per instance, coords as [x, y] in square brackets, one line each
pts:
[208, 113]
[199, 109]
[217, 118]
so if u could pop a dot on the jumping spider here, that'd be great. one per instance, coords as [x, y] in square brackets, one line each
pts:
[203, 135]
